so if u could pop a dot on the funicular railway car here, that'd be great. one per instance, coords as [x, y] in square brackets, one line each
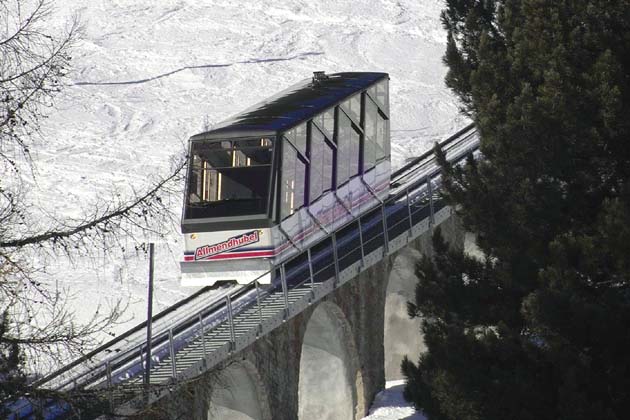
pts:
[281, 175]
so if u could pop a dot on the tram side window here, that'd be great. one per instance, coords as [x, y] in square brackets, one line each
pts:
[382, 137]
[321, 165]
[300, 138]
[326, 122]
[293, 180]
[370, 130]
[229, 178]
[348, 147]
[380, 93]
[297, 137]
[352, 107]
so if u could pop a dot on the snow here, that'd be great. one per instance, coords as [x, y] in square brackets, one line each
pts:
[147, 75]
[390, 405]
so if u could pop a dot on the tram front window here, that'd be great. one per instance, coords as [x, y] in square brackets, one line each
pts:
[229, 178]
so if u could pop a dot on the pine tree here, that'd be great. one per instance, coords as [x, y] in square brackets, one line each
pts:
[539, 329]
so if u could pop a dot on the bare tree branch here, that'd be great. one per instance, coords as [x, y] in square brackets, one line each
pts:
[38, 329]
[122, 212]
[32, 65]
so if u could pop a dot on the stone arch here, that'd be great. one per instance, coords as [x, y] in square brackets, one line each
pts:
[329, 368]
[401, 335]
[238, 393]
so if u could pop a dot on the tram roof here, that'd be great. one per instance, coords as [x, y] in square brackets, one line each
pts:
[292, 106]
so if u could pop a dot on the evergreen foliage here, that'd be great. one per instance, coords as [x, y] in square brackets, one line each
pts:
[540, 329]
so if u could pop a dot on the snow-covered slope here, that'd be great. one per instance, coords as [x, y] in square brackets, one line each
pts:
[148, 74]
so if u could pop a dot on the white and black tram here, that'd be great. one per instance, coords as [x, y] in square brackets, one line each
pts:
[281, 175]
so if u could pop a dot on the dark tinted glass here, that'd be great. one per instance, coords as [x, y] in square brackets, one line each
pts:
[348, 148]
[229, 178]
[317, 164]
[292, 181]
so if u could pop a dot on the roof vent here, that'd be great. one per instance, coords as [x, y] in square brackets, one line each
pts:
[319, 76]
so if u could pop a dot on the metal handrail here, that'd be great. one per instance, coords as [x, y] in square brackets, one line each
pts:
[140, 327]
[428, 153]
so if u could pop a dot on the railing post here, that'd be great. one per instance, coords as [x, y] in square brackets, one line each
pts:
[310, 273]
[171, 347]
[203, 335]
[228, 302]
[144, 370]
[285, 291]
[110, 395]
[385, 231]
[361, 243]
[409, 213]
[260, 317]
[108, 372]
[150, 311]
[335, 257]
[430, 189]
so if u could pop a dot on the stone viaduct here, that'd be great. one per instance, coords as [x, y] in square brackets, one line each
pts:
[327, 362]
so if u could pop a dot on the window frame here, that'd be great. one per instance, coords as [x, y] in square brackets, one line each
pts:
[327, 143]
[359, 132]
[280, 181]
[270, 186]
